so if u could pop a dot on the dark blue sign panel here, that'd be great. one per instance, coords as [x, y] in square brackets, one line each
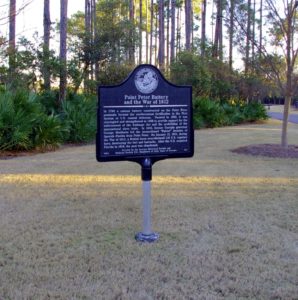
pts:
[144, 117]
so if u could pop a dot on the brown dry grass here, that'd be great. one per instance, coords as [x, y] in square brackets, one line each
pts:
[228, 224]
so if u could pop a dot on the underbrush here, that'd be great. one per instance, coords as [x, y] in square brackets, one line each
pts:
[30, 121]
[39, 121]
[209, 113]
[24, 125]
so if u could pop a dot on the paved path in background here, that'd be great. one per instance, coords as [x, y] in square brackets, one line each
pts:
[279, 116]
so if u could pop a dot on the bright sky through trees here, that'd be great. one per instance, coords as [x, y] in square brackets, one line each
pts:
[30, 15]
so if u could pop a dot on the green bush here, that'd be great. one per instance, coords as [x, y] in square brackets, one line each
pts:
[212, 113]
[24, 125]
[48, 132]
[15, 125]
[78, 116]
[50, 101]
[233, 111]
[255, 111]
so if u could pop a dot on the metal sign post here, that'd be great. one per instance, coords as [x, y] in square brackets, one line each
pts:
[146, 235]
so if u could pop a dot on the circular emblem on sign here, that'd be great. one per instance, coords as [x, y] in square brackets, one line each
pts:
[146, 80]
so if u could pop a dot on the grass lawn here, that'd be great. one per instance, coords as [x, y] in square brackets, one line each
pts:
[228, 223]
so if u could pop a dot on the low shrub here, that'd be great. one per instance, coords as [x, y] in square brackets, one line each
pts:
[78, 116]
[233, 112]
[48, 132]
[255, 111]
[209, 112]
[50, 101]
[212, 113]
[24, 124]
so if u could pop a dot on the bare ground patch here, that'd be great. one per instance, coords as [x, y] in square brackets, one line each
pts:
[228, 224]
[270, 150]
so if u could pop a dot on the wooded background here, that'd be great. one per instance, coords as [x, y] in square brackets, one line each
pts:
[103, 43]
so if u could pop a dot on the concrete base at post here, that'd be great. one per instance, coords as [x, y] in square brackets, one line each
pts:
[149, 238]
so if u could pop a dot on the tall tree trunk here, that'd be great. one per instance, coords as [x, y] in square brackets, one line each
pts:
[151, 30]
[46, 45]
[62, 56]
[290, 63]
[218, 42]
[231, 33]
[178, 29]
[87, 47]
[173, 26]
[203, 27]
[253, 38]
[147, 31]
[261, 28]
[12, 38]
[91, 40]
[188, 24]
[248, 38]
[156, 40]
[141, 32]
[161, 51]
[94, 40]
[168, 35]
[131, 50]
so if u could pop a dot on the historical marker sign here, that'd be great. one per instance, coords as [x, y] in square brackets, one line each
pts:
[144, 117]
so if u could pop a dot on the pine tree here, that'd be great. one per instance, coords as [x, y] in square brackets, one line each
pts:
[203, 27]
[12, 37]
[188, 24]
[173, 26]
[62, 55]
[46, 44]
[161, 51]
[231, 32]
[131, 50]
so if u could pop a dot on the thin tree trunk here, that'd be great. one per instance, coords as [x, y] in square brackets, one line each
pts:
[203, 27]
[95, 40]
[248, 38]
[168, 35]
[231, 33]
[92, 30]
[141, 32]
[156, 40]
[253, 33]
[178, 30]
[173, 26]
[151, 31]
[289, 88]
[147, 32]
[12, 37]
[191, 24]
[131, 50]
[216, 34]
[218, 43]
[62, 56]
[46, 44]
[87, 42]
[261, 28]
[187, 24]
[161, 52]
